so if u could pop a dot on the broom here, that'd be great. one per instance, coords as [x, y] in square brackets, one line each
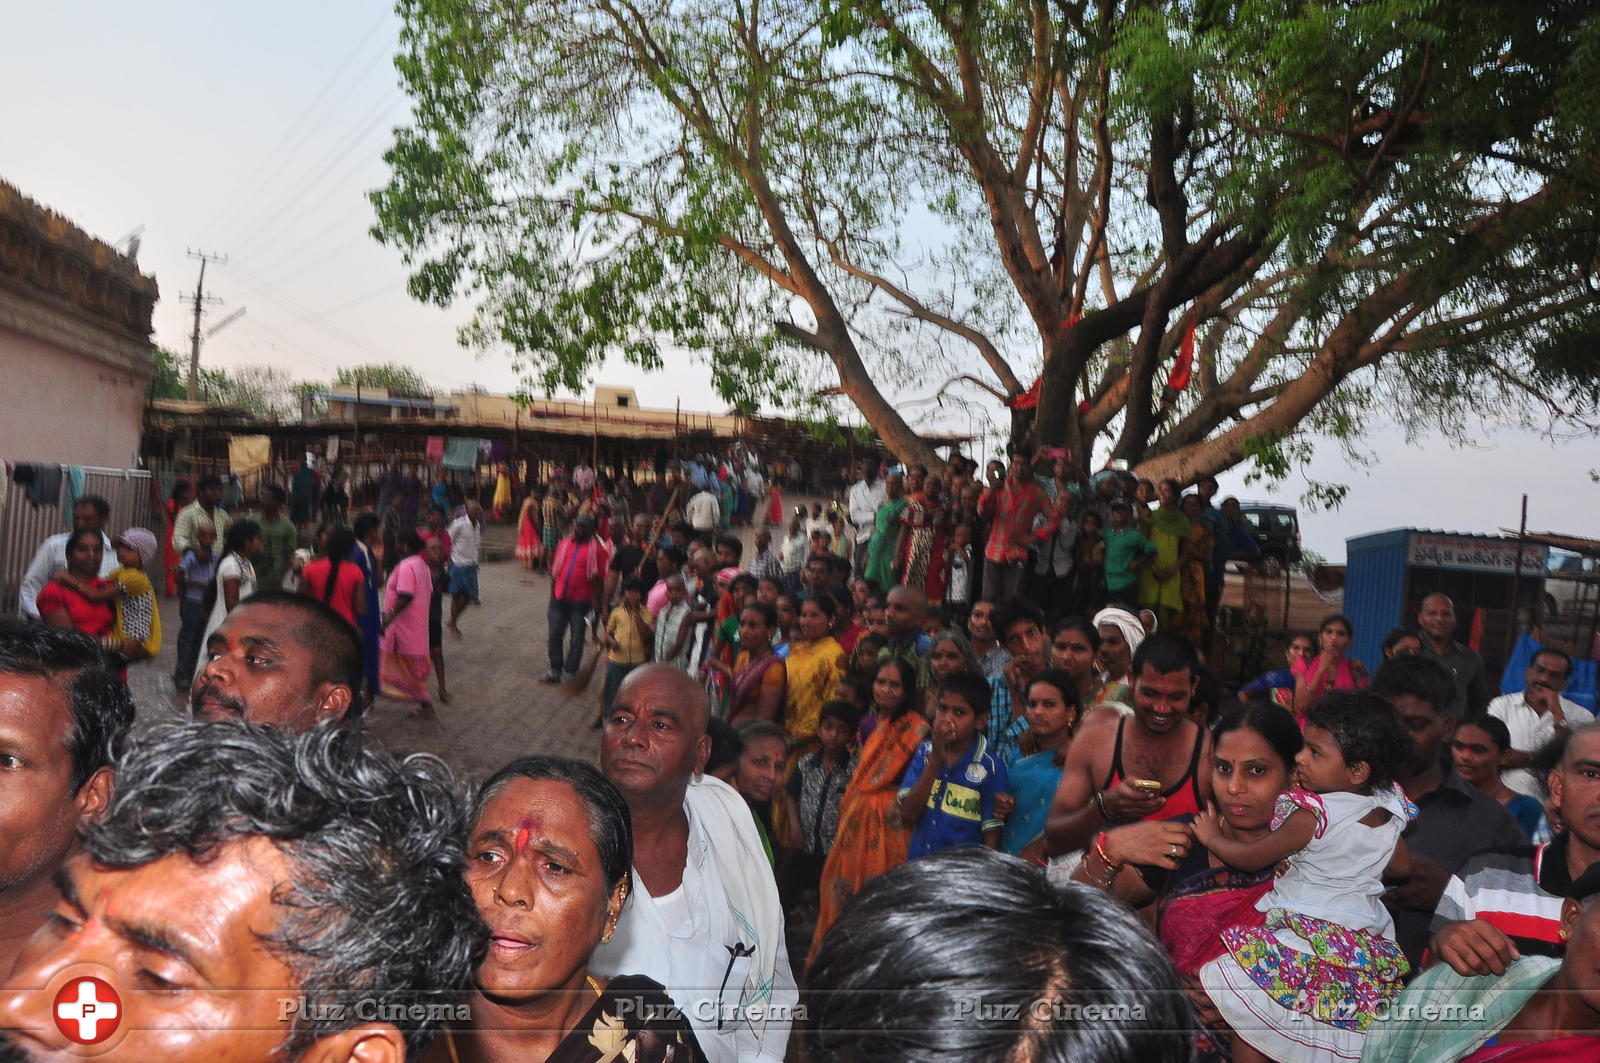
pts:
[585, 674]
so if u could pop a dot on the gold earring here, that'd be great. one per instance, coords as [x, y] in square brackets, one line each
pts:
[1563, 934]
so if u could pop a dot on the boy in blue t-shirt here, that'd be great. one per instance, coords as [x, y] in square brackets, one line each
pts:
[948, 793]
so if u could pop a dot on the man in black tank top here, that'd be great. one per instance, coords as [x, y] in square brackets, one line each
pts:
[1111, 752]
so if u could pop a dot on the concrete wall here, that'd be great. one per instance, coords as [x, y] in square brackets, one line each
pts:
[66, 407]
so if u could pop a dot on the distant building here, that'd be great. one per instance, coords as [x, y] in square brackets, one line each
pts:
[75, 348]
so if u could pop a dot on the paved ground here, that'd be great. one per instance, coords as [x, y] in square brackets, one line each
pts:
[498, 710]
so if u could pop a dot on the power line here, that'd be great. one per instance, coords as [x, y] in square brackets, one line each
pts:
[274, 215]
[277, 155]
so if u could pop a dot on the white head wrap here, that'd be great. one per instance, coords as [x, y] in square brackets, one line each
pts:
[1132, 630]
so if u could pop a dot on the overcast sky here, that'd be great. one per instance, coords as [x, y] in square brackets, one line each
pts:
[255, 131]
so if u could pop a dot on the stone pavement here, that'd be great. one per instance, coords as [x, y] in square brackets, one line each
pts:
[498, 709]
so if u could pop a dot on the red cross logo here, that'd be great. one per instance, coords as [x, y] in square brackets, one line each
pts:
[87, 1010]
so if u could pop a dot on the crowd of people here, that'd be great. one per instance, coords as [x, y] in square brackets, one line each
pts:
[946, 773]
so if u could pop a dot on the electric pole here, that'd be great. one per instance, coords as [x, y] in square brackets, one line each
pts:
[200, 299]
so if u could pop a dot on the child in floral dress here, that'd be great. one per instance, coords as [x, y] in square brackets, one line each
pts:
[1306, 983]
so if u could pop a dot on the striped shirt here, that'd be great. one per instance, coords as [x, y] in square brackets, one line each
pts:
[1517, 891]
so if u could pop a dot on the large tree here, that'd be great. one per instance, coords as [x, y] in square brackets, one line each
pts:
[1347, 209]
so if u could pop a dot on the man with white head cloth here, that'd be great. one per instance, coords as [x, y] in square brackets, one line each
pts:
[1121, 635]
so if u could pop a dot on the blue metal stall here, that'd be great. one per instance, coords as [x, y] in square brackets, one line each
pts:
[1388, 574]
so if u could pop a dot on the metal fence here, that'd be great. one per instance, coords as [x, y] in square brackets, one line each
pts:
[23, 526]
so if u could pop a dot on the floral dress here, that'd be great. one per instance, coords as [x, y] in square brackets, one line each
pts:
[1326, 951]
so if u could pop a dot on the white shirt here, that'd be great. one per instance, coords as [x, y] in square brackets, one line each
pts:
[51, 558]
[864, 500]
[703, 511]
[234, 566]
[464, 539]
[796, 548]
[683, 940]
[1338, 876]
[1529, 730]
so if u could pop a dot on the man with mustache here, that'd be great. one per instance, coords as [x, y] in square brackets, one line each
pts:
[63, 717]
[703, 918]
[1115, 759]
[1536, 715]
[223, 908]
[282, 659]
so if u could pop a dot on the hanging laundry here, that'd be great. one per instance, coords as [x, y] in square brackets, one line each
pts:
[434, 450]
[75, 478]
[461, 454]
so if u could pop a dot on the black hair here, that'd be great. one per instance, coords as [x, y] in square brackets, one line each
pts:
[827, 603]
[861, 684]
[841, 710]
[751, 730]
[610, 823]
[1419, 677]
[970, 687]
[1338, 618]
[239, 535]
[341, 544]
[99, 704]
[673, 554]
[208, 481]
[334, 643]
[1492, 726]
[778, 583]
[1090, 633]
[410, 541]
[1015, 611]
[101, 506]
[278, 494]
[1367, 730]
[767, 611]
[732, 543]
[1268, 720]
[1552, 651]
[375, 904]
[1390, 641]
[911, 700]
[365, 525]
[743, 579]
[1168, 653]
[726, 744]
[1015, 967]
[1062, 682]
[434, 507]
[80, 533]
[635, 583]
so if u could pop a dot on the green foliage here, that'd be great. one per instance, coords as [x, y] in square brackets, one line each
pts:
[796, 191]
[396, 378]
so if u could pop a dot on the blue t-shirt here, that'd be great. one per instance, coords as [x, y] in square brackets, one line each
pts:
[961, 803]
[197, 575]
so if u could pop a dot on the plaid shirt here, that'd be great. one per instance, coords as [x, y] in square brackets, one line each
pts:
[1011, 512]
[1005, 723]
[765, 566]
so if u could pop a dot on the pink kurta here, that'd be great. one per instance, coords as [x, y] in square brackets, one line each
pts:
[404, 647]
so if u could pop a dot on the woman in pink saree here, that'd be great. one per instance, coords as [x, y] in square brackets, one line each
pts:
[404, 663]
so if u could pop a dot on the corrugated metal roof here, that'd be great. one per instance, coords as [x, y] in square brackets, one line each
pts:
[1577, 544]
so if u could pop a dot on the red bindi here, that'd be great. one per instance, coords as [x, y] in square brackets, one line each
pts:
[525, 831]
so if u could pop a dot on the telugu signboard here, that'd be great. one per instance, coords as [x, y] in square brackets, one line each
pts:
[1474, 554]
